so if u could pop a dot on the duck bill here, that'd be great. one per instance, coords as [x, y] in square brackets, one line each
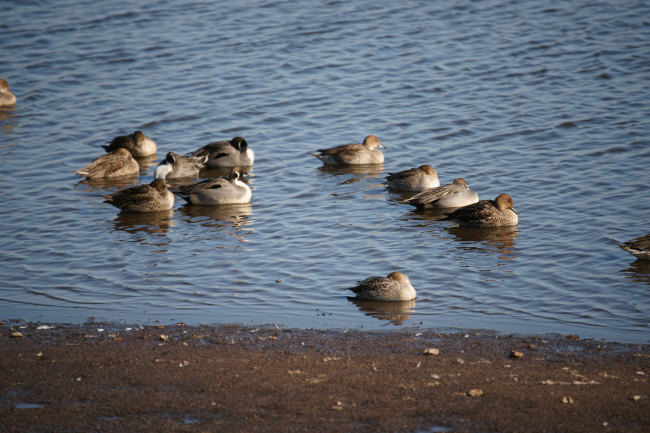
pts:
[514, 210]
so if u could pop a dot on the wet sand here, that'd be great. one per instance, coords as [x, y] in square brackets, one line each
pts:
[101, 377]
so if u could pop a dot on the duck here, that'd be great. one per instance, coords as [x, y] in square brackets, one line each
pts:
[227, 153]
[177, 166]
[391, 288]
[7, 99]
[639, 247]
[487, 213]
[217, 191]
[353, 154]
[137, 143]
[118, 163]
[153, 197]
[414, 179]
[452, 195]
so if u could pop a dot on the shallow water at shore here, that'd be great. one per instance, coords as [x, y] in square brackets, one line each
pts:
[548, 103]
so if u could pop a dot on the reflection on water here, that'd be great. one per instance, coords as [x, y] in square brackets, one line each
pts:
[360, 174]
[639, 271]
[235, 214]
[147, 222]
[398, 195]
[318, 226]
[432, 214]
[371, 170]
[7, 125]
[146, 162]
[90, 185]
[395, 312]
[501, 239]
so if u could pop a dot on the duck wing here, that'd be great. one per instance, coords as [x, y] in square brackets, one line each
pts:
[434, 194]
[216, 150]
[130, 196]
[186, 190]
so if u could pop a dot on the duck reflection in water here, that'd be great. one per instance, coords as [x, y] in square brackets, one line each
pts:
[395, 312]
[360, 173]
[107, 184]
[639, 271]
[148, 222]
[370, 170]
[501, 239]
[146, 162]
[238, 215]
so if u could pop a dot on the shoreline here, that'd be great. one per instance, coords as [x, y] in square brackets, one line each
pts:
[233, 377]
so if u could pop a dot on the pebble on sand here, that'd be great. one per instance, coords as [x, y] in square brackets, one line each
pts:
[431, 351]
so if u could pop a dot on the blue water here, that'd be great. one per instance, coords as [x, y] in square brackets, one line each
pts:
[548, 102]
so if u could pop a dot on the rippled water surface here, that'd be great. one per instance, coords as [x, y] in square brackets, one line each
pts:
[547, 101]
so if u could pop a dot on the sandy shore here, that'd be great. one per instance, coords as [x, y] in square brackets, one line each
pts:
[178, 378]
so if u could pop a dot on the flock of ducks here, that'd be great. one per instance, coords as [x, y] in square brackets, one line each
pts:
[457, 201]
[120, 160]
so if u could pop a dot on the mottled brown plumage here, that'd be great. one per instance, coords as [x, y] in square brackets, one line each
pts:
[414, 179]
[393, 287]
[119, 163]
[487, 213]
[7, 99]
[639, 247]
[143, 198]
[137, 143]
[353, 154]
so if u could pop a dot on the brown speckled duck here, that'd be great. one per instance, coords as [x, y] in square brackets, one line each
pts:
[119, 163]
[487, 213]
[137, 143]
[639, 247]
[7, 99]
[414, 179]
[143, 198]
[353, 154]
[393, 287]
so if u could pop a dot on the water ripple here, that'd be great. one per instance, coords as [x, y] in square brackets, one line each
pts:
[545, 102]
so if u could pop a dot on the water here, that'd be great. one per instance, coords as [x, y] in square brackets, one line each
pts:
[548, 102]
